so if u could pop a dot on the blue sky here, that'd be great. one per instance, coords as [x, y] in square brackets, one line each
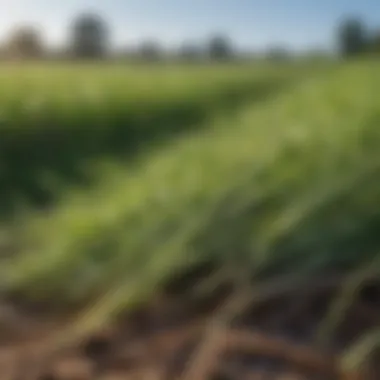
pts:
[251, 23]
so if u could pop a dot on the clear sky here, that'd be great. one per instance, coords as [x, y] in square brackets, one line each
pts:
[250, 23]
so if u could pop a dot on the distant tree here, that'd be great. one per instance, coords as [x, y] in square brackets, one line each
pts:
[150, 51]
[220, 48]
[374, 44]
[352, 37]
[25, 42]
[89, 36]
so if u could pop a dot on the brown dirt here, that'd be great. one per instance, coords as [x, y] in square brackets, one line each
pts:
[181, 337]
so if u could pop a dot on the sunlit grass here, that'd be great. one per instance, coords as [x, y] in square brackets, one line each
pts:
[289, 185]
[56, 121]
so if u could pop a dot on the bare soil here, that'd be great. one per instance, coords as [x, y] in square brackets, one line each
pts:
[178, 336]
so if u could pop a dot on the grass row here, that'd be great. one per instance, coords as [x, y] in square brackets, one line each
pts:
[290, 186]
[55, 120]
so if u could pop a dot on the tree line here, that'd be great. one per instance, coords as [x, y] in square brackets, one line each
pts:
[89, 39]
[355, 38]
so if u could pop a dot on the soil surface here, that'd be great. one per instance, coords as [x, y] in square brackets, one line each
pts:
[224, 335]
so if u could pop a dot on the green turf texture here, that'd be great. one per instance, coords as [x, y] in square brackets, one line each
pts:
[286, 183]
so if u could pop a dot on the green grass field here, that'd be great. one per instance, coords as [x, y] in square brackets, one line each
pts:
[149, 170]
[55, 121]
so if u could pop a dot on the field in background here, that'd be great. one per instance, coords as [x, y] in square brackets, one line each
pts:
[57, 120]
[267, 171]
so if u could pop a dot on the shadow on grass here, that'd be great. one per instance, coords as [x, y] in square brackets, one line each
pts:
[62, 150]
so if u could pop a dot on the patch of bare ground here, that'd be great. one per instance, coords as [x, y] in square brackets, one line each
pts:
[245, 334]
